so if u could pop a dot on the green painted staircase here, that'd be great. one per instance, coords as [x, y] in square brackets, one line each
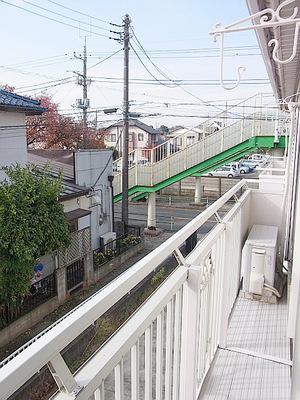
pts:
[242, 136]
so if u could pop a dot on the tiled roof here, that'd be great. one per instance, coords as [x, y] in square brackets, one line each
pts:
[70, 189]
[14, 102]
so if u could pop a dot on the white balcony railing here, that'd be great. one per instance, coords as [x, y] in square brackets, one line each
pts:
[166, 347]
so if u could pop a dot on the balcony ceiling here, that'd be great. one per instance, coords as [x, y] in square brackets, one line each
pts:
[284, 77]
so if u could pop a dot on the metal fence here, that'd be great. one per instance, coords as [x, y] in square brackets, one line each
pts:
[114, 248]
[75, 274]
[39, 292]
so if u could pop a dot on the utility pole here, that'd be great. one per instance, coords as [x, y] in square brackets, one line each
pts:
[82, 80]
[127, 22]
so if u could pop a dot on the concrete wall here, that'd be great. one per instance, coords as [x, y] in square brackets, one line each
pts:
[27, 321]
[212, 187]
[117, 262]
[32, 318]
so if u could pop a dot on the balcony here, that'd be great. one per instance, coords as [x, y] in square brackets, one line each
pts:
[194, 337]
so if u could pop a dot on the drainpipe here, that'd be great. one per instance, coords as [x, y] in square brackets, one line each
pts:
[110, 179]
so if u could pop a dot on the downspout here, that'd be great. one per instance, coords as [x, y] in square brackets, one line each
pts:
[110, 179]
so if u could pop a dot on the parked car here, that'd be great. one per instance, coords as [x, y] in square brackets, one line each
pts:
[240, 167]
[250, 167]
[250, 163]
[259, 159]
[226, 171]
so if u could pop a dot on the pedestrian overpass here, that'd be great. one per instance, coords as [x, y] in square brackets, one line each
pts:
[245, 127]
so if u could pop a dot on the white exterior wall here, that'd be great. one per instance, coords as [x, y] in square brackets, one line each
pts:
[133, 133]
[117, 130]
[89, 164]
[266, 209]
[13, 145]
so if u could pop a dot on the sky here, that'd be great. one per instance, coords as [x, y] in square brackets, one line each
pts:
[174, 65]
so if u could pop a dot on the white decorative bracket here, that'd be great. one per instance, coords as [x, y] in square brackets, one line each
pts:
[269, 18]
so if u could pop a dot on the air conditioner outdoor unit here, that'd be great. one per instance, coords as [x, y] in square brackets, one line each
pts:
[108, 240]
[259, 260]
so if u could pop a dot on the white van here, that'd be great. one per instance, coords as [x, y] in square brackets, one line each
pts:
[261, 158]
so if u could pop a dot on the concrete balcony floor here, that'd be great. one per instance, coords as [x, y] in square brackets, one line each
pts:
[255, 364]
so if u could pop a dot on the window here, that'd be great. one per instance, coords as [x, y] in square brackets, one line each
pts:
[189, 140]
[112, 137]
[178, 141]
[140, 137]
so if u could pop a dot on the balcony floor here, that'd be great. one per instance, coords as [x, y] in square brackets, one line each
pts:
[253, 366]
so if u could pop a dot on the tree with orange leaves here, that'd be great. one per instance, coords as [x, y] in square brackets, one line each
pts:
[52, 130]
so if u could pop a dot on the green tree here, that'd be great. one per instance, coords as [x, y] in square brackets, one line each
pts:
[164, 129]
[32, 223]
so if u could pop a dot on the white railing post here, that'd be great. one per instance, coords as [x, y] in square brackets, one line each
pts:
[189, 337]
[225, 304]
[135, 371]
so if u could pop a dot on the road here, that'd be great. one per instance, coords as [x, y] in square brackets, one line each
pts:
[167, 218]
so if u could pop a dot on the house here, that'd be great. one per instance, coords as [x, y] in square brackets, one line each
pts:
[140, 135]
[13, 110]
[88, 172]
[183, 137]
[87, 201]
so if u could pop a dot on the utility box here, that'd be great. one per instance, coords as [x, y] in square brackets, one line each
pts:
[259, 261]
[108, 241]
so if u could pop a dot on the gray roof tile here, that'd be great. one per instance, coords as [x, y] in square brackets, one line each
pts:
[14, 102]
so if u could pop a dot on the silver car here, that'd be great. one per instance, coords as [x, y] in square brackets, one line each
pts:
[226, 171]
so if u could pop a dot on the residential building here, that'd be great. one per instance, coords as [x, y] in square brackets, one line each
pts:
[13, 110]
[140, 136]
[87, 200]
[183, 137]
[89, 171]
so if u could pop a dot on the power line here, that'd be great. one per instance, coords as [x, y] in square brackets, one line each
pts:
[26, 72]
[178, 85]
[39, 61]
[150, 73]
[54, 20]
[64, 16]
[43, 86]
[86, 15]
[177, 82]
[101, 61]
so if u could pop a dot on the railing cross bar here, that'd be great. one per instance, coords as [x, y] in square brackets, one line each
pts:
[218, 218]
[180, 258]
[63, 376]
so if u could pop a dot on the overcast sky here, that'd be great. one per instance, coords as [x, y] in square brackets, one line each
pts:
[37, 53]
